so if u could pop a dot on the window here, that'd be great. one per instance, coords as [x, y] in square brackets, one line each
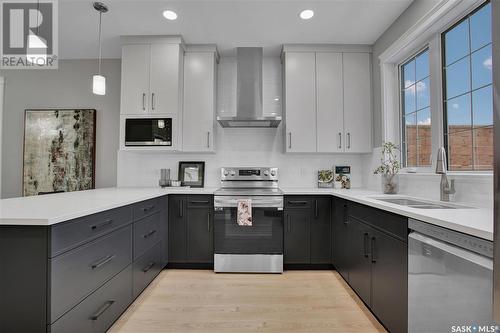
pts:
[415, 111]
[467, 92]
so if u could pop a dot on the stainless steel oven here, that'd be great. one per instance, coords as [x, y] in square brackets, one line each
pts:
[148, 132]
[255, 248]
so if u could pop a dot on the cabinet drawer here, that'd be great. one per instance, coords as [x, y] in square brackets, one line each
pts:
[146, 268]
[71, 234]
[147, 232]
[297, 202]
[393, 224]
[146, 208]
[75, 274]
[200, 201]
[99, 311]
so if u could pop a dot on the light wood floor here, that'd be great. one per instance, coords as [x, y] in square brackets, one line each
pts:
[201, 301]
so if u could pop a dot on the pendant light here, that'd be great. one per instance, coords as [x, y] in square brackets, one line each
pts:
[99, 81]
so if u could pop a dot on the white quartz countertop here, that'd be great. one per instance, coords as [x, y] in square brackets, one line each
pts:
[50, 209]
[473, 221]
[54, 208]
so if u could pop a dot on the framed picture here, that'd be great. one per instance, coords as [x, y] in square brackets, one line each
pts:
[192, 174]
[59, 150]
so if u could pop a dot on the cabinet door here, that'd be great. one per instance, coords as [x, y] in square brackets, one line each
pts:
[357, 102]
[389, 281]
[300, 101]
[360, 260]
[199, 102]
[165, 72]
[297, 241]
[340, 238]
[320, 230]
[177, 249]
[330, 104]
[200, 247]
[135, 79]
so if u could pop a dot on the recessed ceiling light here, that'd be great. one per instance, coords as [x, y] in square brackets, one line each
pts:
[306, 14]
[170, 15]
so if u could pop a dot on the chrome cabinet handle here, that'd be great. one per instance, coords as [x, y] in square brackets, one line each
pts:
[148, 267]
[348, 140]
[340, 140]
[101, 225]
[180, 207]
[374, 258]
[290, 140]
[149, 234]
[143, 101]
[365, 245]
[316, 209]
[152, 101]
[208, 139]
[103, 309]
[103, 261]
[208, 222]
[199, 202]
[148, 208]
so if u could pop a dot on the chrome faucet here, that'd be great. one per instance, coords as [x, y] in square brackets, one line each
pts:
[446, 187]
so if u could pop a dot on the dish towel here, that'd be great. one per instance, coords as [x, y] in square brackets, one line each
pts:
[244, 216]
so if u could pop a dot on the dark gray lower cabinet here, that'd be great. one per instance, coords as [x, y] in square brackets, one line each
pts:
[79, 275]
[370, 252]
[307, 230]
[191, 229]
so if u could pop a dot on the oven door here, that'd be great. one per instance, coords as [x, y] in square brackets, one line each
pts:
[265, 236]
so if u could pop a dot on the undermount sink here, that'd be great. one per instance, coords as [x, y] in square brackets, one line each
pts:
[421, 204]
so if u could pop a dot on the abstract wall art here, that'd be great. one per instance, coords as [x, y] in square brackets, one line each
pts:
[59, 150]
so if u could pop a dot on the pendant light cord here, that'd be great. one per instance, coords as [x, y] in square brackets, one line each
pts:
[100, 22]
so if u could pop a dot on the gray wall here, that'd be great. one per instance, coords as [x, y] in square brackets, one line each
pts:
[406, 20]
[70, 86]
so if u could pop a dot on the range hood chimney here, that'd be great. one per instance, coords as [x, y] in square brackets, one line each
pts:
[249, 111]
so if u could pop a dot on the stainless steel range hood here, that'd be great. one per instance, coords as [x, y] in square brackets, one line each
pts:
[249, 111]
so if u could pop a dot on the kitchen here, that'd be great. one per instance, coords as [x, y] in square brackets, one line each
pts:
[319, 166]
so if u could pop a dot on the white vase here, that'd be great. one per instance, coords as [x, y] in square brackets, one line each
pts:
[390, 184]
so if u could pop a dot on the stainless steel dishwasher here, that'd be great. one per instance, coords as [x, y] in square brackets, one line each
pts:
[450, 280]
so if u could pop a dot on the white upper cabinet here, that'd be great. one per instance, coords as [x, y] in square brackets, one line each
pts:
[300, 101]
[330, 104]
[328, 99]
[152, 73]
[357, 103]
[200, 81]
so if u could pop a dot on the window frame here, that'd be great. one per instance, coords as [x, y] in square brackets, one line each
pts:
[444, 98]
[426, 32]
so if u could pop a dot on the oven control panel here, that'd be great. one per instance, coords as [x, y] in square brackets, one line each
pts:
[249, 173]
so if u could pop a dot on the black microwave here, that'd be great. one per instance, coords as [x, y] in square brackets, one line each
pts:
[148, 132]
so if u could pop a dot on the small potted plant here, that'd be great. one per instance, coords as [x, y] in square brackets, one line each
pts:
[389, 168]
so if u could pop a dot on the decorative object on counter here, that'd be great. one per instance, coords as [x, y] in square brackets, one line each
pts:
[343, 176]
[164, 178]
[192, 173]
[325, 178]
[389, 168]
[175, 183]
[59, 151]
[98, 80]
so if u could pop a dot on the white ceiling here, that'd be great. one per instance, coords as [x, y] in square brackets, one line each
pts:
[227, 23]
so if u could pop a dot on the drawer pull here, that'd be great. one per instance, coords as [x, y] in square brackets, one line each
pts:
[102, 225]
[199, 202]
[374, 258]
[103, 261]
[148, 208]
[365, 245]
[296, 202]
[101, 311]
[149, 234]
[148, 267]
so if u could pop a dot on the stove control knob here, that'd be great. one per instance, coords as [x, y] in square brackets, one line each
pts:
[266, 173]
[233, 173]
[273, 173]
[226, 172]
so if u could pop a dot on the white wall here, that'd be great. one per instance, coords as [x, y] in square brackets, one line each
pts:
[70, 86]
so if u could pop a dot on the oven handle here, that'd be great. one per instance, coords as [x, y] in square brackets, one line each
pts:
[232, 202]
